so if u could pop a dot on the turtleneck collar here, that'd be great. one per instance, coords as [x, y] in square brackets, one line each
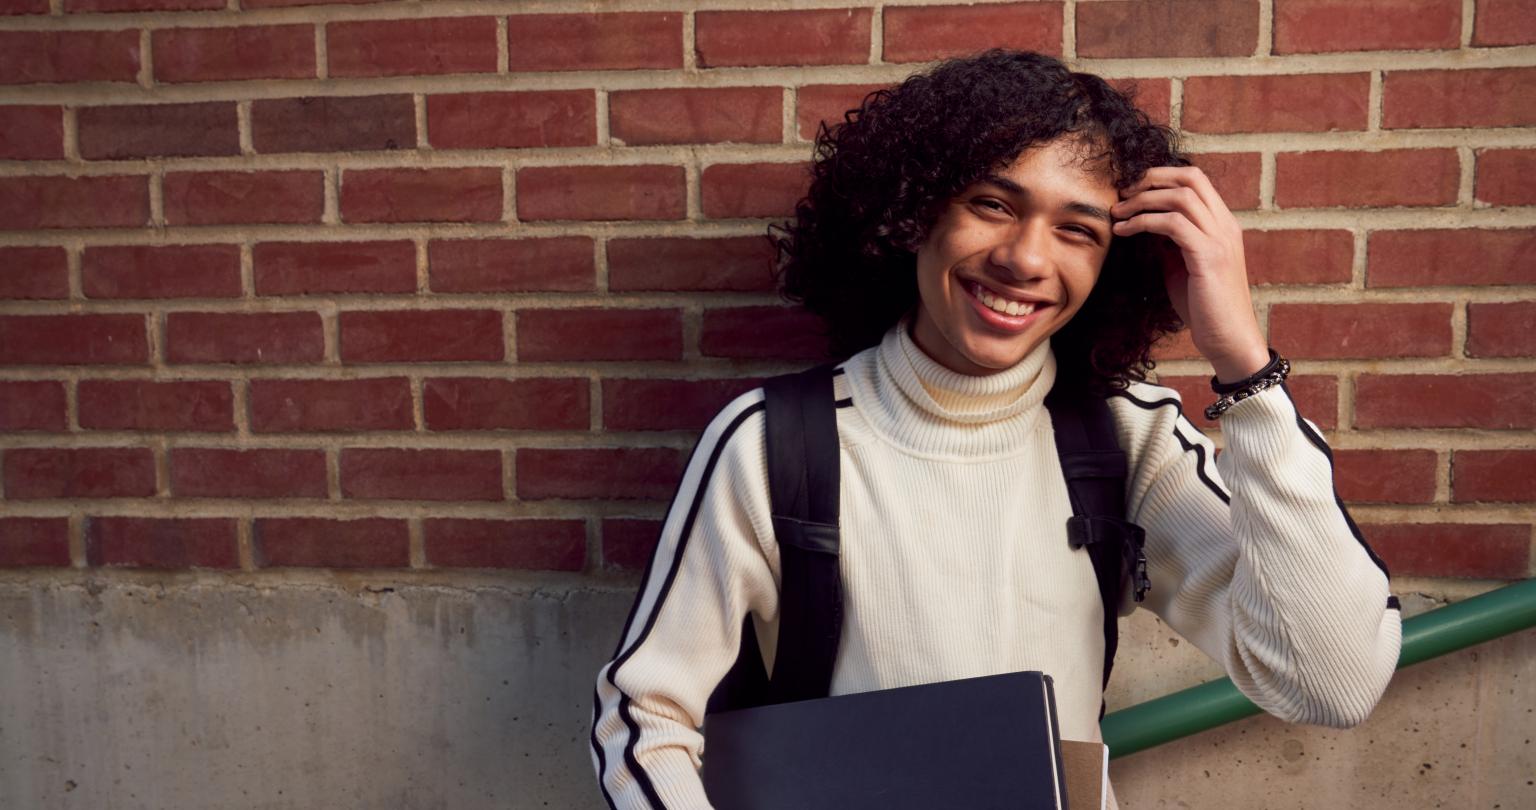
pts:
[913, 401]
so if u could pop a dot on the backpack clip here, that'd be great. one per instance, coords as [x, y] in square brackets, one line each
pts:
[1127, 536]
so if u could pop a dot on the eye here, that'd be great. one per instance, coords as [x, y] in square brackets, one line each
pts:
[993, 204]
[1088, 232]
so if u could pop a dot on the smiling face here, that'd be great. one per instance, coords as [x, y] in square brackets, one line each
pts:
[1011, 259]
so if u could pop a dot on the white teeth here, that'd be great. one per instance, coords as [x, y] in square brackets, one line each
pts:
[999, 304]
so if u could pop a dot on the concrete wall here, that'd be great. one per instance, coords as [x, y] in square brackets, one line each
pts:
[174, 692]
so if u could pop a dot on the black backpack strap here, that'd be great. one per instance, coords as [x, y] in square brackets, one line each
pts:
[803, 480]
[1095, 470]
[803, 483]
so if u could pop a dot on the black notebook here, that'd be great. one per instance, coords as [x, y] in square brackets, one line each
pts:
[976, 743]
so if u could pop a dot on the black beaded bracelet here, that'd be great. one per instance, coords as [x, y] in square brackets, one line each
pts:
[1272, 374]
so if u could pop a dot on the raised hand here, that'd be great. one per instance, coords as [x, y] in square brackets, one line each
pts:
[1202, 262]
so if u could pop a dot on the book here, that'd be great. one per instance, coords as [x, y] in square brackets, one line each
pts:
[978, 743]
[1087, 768]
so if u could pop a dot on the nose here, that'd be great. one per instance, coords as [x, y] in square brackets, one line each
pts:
[1021, 252]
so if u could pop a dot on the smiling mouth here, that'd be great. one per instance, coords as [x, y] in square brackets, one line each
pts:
[1002, 305]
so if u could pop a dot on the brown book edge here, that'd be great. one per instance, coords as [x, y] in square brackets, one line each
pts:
[1086, 765]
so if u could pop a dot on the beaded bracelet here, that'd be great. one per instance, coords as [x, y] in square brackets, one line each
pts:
[1272, 374]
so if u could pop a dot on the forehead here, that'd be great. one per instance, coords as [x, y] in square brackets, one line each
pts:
[1064, 167]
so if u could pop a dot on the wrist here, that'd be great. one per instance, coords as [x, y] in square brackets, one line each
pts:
[1242, 366]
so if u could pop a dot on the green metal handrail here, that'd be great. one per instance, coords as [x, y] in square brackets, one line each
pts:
[1471, 621]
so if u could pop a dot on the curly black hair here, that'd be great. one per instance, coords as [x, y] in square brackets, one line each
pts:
[881, 178]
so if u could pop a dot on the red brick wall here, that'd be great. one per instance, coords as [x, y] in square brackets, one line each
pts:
[394, 285]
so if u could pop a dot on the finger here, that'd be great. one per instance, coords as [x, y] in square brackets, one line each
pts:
[1182, 199]
[1190, 176]
[1171, 224]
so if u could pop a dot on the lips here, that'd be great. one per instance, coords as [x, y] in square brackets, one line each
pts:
[1003, 312]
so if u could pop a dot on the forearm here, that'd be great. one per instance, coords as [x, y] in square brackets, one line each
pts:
[1276, 584]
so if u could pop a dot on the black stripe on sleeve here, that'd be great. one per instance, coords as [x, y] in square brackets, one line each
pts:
[1317, 441]
[625, 713]
[1189, 446]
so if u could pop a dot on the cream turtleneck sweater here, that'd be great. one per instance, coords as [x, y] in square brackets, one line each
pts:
[955, 561]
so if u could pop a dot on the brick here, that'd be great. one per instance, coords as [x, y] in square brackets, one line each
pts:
[79, 472]
[421, 195]
[1451, 256]
[629, 543]
[1501, 329]
[733, 263]
[1299, 257]
[1152, 96]
[1504, 22]
[153, 542]
[1501, 176]
[1368, 331]
[368, 123]
[1385, 476]
[600, 193]
[158, 130]
[326, 543]
[1366, 179]
[216, 472]
[1483, 551]
[237, 198]
[555, 335]
[1499, 97]
[32, 405]
[320, 268]
[924, 33]
[161, 271]
[50, 57]
[420, 475]
[667, 404]
[429, 46]
[31, 132]
[34, 542]
[331, 406]
[1177, 346]
[532, 120]
[1235, 176]
[1492, 401]
[73, 340]
[1315, 102]
[28, 203]
[554, 264]
[421, 336]
[731, 190]
[247, 338]
[619, 473]
[818, 103]
[530, 545]
[697, 115]
[80, 6]
[250, 4]
[763, 333]
[18, 7]
[625, 41]
[206, 406]
[494, 403]
[1140, 28]
[832, 36]
[232, 54]
[1318, 26]
[1507, 476]
[37, 273]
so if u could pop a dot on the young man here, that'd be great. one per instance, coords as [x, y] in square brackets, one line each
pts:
[970, 237]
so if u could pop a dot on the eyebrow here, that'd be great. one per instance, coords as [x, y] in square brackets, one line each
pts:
[1076, 206]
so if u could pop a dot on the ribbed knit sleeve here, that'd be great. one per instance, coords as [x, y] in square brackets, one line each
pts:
[1254, 559]
[710, 569]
